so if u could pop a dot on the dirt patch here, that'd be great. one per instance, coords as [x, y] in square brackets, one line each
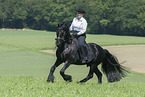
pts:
[134, 55]
[49, 51]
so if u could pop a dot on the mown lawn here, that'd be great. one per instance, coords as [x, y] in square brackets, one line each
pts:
[46, 40]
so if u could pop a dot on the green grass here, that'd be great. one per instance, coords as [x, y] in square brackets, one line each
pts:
[27, 39]
[24, 69]
[26, 86]
[109, 40]
[37, 40]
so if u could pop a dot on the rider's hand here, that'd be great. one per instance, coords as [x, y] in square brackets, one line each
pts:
[75, 34]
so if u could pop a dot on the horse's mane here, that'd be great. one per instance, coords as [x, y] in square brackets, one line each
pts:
[72, 44]
[71, 50]
[63, 25]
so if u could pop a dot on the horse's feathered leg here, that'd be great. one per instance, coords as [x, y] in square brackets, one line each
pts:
[51, 76]
[90, 75]
[65, 77]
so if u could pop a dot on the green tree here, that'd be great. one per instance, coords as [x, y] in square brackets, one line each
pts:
[13, 13]
[99, 13]
[141, 18]
[126, 17]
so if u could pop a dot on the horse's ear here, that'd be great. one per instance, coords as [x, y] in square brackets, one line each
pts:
[59, 24]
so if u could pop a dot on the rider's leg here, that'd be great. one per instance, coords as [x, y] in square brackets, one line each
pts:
[86, 53]
[83, 48]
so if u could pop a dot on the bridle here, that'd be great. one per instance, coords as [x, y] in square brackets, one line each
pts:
[60, 39]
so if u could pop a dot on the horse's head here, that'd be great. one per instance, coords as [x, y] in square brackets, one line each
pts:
[62, 33]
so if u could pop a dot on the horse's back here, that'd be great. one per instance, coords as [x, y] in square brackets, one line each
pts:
[98, 51]
[95, 47]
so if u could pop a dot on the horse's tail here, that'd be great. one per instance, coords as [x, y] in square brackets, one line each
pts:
[112, 69]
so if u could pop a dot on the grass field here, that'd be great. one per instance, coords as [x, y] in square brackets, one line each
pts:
[24, 69]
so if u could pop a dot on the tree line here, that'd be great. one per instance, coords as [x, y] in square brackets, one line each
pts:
[121, 17]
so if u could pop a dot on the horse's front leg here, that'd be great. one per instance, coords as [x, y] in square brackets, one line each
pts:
[51, 76]
[65, 77]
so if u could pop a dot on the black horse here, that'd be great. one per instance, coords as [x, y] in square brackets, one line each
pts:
[66, 52]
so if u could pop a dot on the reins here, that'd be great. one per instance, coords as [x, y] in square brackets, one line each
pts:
[73, 43]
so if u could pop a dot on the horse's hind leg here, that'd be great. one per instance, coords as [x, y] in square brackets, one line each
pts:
[99, 75]
[90, 75]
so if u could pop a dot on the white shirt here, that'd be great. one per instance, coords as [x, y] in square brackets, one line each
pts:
[79, 25]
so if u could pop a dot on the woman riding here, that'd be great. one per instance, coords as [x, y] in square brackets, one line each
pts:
[78, 27]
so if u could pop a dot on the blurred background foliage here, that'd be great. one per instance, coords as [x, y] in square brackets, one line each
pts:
[120, 17]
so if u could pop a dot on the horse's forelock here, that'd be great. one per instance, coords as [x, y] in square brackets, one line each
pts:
[60, 24]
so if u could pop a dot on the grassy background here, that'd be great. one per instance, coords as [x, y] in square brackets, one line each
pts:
[24, 69]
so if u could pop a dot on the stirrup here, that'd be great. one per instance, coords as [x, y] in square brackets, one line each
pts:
[84, 60]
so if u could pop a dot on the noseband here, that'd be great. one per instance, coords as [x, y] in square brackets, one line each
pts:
[58, 38]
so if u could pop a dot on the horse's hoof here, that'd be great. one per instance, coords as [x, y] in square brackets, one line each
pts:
[50, 81]
[99, 83]
[81, 82]
[68, 78]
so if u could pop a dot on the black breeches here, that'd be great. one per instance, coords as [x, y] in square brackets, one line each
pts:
[83, 46]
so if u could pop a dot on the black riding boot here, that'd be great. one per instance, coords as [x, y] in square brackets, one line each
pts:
[84, 53]
[87, 54]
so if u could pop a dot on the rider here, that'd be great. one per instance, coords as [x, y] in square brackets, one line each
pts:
[79, 26]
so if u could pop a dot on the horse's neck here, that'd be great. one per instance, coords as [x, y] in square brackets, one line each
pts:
[72, 43]
[63, 47]
[67, 38]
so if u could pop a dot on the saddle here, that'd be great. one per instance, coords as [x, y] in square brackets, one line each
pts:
[73, 52]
